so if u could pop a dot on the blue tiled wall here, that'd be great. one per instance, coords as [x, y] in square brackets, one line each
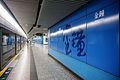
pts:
[89, 36]
[38, 39]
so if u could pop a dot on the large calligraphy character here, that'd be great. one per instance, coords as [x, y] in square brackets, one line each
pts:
[78, 37]
[66, 40]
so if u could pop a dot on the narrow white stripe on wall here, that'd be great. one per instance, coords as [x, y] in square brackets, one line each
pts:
[89, 24]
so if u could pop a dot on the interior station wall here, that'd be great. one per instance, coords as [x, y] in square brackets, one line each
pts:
[89, 38]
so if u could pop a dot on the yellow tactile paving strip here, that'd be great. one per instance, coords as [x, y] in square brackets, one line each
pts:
[13, 59]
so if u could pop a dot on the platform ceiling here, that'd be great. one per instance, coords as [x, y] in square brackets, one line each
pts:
[51, 12]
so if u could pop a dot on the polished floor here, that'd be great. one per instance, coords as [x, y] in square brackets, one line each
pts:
[34, 63]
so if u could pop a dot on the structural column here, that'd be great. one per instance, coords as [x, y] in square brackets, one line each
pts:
[20, 43]
[15, 44]
[1, 48]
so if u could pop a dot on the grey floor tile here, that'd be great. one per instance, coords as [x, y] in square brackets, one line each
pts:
[22, 69]
[35, 64]
[47, 67]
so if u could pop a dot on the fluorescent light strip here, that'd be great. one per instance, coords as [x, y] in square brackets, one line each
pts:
[4, 14]
[89, 24]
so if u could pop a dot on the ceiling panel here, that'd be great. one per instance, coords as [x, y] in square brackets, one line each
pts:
[53, 11]
[25, 11]
[50, 13]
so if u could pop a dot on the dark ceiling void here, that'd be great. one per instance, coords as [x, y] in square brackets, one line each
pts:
[38, 34]
[35, 24]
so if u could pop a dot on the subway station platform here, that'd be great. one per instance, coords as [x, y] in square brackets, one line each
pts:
[59, 40]
[34, 63]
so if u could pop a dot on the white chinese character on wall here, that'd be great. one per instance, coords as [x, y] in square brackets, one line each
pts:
[99, 14]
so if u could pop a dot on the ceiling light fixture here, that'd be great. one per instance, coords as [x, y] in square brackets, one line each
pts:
[5, 14]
